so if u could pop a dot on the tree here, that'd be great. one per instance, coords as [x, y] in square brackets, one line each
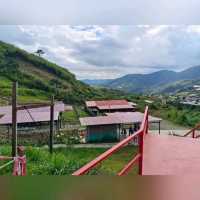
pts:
[40, 52]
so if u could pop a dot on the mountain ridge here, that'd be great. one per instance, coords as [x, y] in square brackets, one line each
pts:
[153, 82]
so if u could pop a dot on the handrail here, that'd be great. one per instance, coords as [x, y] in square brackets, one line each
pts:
[5, 158]
[128, 167]
[143, 130]
[19, 164]
[6, 164]
[192, 131]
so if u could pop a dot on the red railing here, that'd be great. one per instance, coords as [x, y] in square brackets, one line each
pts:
[192, 132]
[19, 163]
[137, 159]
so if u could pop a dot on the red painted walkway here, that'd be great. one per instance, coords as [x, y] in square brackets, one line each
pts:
[170, 155]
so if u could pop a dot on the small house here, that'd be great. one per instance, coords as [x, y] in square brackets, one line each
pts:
[109, 128]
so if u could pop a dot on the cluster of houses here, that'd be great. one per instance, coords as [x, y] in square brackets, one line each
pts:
[191, 99]
[112, 120]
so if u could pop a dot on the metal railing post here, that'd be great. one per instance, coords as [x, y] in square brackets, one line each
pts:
[141, 144]
[141, 141]
[193, 133]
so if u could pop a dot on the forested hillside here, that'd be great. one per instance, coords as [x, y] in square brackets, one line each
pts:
[39, 78]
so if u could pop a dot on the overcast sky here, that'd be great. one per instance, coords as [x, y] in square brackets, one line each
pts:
[96, 52]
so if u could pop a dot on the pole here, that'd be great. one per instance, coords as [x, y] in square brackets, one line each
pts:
[51, 125]
[14, 119]
[159, 127]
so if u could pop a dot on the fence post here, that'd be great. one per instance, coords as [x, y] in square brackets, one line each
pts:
[19, 168]
[141, 141]
[51, 125]
[141, 144]
[14, 119]
[193, 133]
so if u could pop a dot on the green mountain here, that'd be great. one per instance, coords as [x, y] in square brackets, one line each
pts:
[39, 78]
[163, 81]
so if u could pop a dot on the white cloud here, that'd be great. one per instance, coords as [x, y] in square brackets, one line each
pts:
[110, 51]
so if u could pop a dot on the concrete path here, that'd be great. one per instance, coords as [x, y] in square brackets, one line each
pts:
[98, 145]
[170, 155]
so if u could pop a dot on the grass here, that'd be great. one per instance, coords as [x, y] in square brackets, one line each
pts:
[73, 116]
[66, 161]
[70, 116]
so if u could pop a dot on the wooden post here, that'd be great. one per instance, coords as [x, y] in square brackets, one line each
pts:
[193, 133]
[51, 125]
[14, 119]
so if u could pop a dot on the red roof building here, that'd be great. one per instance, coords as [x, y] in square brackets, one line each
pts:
[110, 106]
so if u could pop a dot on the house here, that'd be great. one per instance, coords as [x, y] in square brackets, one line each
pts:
[33, 115]
[96, 107]
[108, 128]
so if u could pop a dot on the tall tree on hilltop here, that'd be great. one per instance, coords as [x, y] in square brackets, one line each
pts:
[40, 52]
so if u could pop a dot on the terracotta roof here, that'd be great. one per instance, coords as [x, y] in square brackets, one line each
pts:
[114, 107]
[110, 104]
[116, 118]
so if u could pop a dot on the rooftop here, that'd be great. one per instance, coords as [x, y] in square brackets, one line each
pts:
[110, 104]
[31, 113]
[24, 117]
[59, 107]
[117, 118]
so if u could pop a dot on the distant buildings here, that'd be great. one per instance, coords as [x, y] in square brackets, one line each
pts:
[191, 99]
[117, 118]
[100, 107]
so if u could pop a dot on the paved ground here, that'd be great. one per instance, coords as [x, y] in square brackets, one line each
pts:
[99, 145]
[170, 155]
[168, 132]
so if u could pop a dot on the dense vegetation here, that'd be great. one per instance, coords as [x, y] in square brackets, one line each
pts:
[188, 116]
[66, 161]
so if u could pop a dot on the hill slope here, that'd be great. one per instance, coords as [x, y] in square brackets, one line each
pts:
[163, 81]
[39, 78]
[97, 82]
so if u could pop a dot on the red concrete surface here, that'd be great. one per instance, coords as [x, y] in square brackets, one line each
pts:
[170, 155]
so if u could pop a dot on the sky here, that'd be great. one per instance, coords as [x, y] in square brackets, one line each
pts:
[101, 12]
[110, 51]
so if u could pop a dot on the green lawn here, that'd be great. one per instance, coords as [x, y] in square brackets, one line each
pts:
[66, 161]
[70, 116]
[73, 116]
